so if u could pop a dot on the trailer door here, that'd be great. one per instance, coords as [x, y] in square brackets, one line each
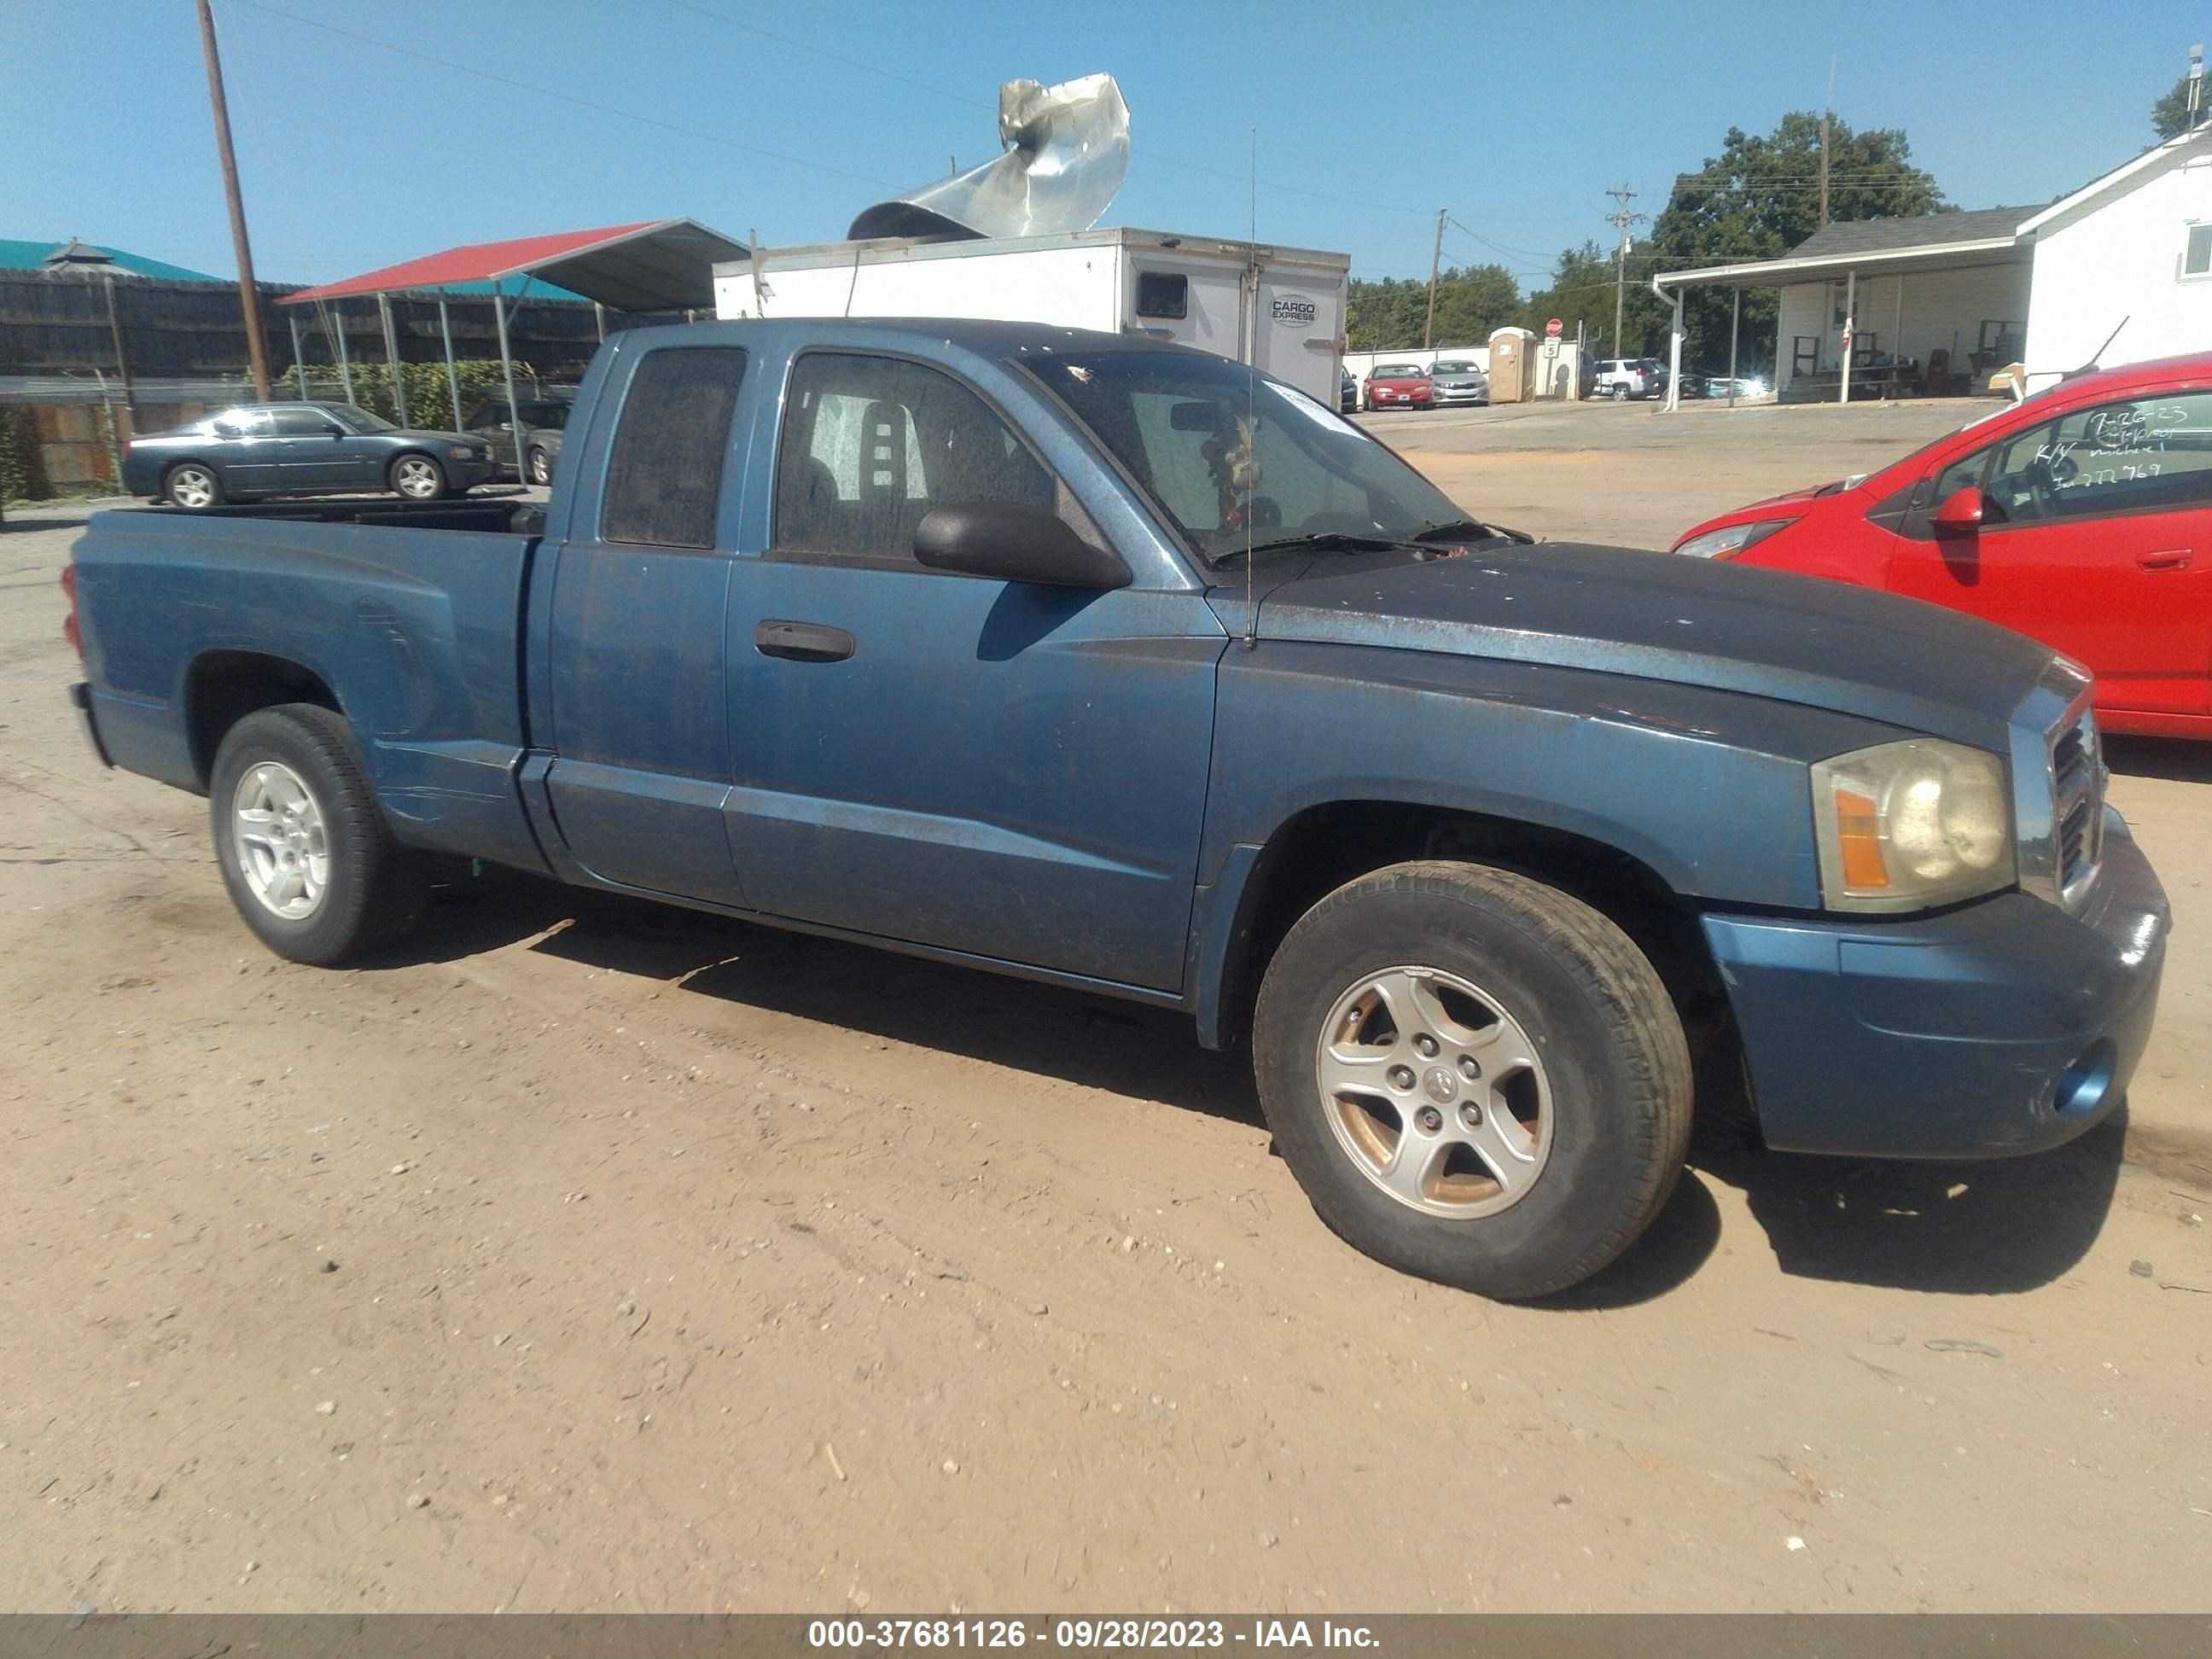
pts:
[1296, 334]
[1165, 298]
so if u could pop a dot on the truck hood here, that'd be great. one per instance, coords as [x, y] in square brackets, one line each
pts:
[1655, 616]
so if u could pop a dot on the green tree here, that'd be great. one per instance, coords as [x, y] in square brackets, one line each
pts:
[1581, 294]
[2169, 116]
[1389, 314]
[1473, 301]
[1759, 197]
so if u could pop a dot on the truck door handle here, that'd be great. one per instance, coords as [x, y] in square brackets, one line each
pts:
[802, 641]
[2171, 558]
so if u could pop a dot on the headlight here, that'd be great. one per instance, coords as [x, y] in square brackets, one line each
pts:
[461, 452]
[1906, 826]
[1731, 540]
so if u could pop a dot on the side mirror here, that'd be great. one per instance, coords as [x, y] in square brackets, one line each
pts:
[1960, 515]
[1014, 544]
[332, 429]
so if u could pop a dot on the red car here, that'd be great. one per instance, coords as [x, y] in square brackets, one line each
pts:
[2081, 516]
[1398, 385]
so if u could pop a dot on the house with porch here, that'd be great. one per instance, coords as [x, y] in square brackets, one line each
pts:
[2118, 271]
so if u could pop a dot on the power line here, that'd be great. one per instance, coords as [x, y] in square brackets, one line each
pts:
[1499, 248]
[565, 97]
[969, 101]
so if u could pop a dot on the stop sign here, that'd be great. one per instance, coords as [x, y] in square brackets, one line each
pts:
[1552, 329]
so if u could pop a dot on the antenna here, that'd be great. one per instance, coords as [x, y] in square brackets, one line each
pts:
[1252, 388]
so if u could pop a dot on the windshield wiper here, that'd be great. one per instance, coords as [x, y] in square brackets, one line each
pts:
[1458, 530]
[1351, 541]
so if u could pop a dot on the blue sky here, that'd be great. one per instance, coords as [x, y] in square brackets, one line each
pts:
[1369, 118]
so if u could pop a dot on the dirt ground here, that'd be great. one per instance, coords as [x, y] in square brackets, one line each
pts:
[594, 1255]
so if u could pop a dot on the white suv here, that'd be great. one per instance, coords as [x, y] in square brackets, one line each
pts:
[1623, 378]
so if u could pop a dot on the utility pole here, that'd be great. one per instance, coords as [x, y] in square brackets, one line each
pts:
[1435, 259]
[1620, 216]
[249, 297]
[1828, 111]
[122, 362]
[2196, 86]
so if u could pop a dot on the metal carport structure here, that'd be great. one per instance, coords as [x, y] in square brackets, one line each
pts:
[654, 264]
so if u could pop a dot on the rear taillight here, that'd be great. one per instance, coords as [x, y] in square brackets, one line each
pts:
[71, 631]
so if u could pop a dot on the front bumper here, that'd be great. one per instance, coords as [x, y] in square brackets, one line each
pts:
[466, 475]
[1452, 394]
[2005, 1026]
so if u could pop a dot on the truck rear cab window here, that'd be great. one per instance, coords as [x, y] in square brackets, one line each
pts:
[665, 474]
[870, 444]
[1162, 294]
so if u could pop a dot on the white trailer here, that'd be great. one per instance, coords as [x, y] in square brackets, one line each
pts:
[1281, 308]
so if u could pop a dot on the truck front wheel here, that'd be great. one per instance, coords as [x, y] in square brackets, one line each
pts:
[309, 861]
[1476, 1077]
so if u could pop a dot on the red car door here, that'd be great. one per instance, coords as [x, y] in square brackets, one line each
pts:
[2096, 539]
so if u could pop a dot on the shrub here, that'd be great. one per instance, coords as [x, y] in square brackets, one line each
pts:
[23, 463]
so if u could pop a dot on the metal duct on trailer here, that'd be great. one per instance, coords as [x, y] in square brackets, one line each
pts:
[1067, 153]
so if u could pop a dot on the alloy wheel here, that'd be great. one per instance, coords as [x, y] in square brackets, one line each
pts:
[283, 850]
[1435, 1092]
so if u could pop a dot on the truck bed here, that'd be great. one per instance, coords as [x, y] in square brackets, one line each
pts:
[405, 617]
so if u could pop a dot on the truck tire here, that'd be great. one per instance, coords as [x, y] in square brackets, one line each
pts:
[308, 857]
[193, 485]
[418, 477]
[1475, 1077]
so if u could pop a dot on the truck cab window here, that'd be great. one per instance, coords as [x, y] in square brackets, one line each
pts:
[870, 444]
[1162, 294]
[665, 471]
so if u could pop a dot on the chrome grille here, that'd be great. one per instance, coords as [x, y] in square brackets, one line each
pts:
[2077, 799]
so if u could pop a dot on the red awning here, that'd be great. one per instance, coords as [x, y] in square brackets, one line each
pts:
[656, 265]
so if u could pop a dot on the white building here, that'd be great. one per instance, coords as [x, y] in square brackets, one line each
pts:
[2137, 245]
[1936, 303]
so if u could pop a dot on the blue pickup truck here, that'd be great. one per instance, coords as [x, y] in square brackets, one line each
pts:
[1113, 665]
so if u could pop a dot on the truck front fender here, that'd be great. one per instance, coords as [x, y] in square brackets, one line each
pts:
[1705, 791]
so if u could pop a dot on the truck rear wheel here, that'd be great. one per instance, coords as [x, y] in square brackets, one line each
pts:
[1477, 1078]
[306, 855]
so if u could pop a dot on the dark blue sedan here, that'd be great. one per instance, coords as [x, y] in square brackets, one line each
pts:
[256, 450]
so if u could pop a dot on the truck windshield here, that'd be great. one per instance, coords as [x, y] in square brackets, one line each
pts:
[1228, 455]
